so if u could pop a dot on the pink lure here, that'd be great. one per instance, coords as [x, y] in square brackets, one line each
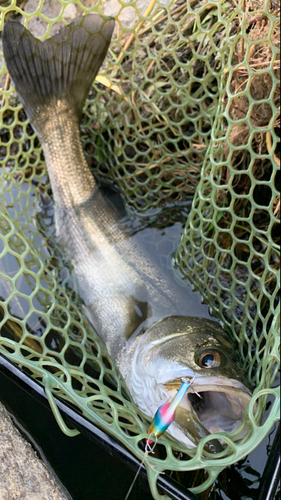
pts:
[165, 414]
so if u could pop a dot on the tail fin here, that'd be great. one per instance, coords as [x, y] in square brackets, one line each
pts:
[60, 68]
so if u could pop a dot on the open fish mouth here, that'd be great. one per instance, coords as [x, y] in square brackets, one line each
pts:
[211, 405]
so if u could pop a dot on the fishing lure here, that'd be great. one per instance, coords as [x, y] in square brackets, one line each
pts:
[165, 414]
[163, 417]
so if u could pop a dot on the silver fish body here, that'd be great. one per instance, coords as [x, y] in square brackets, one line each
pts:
[121, 287]
[125, 293]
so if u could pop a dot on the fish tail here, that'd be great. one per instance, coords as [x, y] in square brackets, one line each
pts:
[61, 68]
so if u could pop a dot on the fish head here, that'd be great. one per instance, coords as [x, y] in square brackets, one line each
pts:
[179, 347]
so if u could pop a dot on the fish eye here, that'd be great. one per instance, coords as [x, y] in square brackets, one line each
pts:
[209, 359]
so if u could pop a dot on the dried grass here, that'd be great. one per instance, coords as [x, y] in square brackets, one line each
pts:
[181, 128]
[252, 217]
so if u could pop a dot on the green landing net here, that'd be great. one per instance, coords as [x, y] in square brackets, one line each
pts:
[185, 108]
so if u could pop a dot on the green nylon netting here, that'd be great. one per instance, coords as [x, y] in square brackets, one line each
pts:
[192, 112]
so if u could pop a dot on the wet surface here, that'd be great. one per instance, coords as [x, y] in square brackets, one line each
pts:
[87, 469]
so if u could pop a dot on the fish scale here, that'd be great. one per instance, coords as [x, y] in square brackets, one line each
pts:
[139, 311]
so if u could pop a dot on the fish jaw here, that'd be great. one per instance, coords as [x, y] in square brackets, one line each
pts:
[201, 418]
[154, 380]
[214, 404]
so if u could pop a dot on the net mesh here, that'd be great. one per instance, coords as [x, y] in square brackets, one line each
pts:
[185, 107]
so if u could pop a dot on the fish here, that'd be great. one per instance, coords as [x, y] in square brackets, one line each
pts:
[137, 309]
